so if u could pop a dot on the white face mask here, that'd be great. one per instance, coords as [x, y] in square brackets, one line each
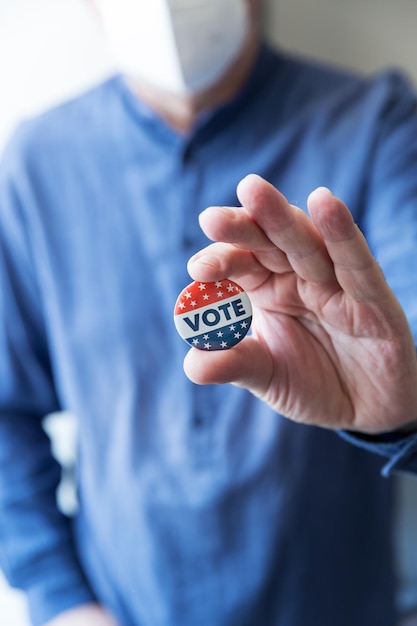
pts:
[180, 46]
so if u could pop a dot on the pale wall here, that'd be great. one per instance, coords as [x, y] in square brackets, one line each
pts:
[363, 34]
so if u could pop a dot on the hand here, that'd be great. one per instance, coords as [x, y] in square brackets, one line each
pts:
[84, 615]
[330, 345]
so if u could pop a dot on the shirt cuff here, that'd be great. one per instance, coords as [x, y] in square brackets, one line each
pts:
[400, 448]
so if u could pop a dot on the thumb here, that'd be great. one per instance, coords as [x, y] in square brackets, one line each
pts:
[246, 365]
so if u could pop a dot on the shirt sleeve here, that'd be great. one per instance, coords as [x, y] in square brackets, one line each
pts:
[37, 552]
[389, 218]
[390, 227]
[399, 448]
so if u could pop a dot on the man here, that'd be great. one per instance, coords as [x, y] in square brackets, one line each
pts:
[201, 504]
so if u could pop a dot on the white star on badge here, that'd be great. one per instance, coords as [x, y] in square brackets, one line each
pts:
[193, 303]
[232, 327]
[188, 295]
[243, 324]
[182, 305]
[220, 334]
[206, 296]
[205, 337]
[195, 341]
[237, 335]
[224, 344]
[201, 286]
[218, 283]
[207, 346]
[230, 288]
[219, 294]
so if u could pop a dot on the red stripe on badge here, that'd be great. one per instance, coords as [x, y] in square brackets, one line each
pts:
[198, 295]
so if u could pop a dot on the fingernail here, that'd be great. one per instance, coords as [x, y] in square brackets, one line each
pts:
[206, 259]
[224, 209]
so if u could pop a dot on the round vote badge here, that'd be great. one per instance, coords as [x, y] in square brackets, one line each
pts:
[213, 316]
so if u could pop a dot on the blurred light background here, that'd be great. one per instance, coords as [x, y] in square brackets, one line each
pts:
[51, 50]
[48, 52]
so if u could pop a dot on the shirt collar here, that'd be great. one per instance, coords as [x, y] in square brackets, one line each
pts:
[210, 118]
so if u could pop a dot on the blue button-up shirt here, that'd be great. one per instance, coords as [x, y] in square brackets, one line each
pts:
[197, 505]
